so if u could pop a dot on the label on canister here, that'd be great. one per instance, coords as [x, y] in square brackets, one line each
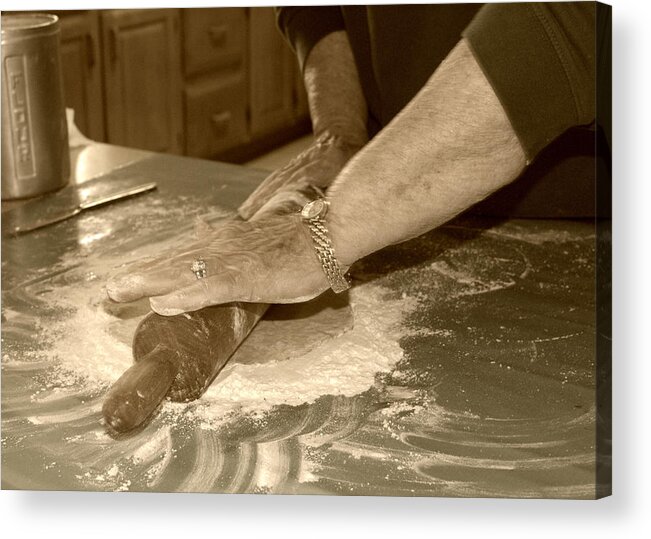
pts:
[20, 117]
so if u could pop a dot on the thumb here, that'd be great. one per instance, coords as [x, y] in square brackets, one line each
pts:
[203, 293]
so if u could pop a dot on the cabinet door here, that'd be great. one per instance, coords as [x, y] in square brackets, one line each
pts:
[143, 78]
[82, 72]
[215, 114]
[214, 39]
[272, 75]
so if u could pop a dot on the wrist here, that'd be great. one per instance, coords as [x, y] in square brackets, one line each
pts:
[348, 142]
[342, 134]
[343, 235]
[313, 215]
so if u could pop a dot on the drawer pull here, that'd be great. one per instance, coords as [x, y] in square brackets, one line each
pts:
[218, 35]
[221, 122]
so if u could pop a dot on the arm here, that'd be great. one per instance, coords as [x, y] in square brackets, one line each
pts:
[334, 92]
[451, 146]
[338, 112]
[454, 143]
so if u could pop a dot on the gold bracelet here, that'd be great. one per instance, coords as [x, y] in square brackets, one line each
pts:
[313, 213]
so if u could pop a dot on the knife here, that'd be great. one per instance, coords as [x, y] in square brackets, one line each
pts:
[68, 202]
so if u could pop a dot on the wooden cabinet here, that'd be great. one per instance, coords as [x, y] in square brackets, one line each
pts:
[273, 72]
[243, 89]
[142, 64]
[215, 117]
[215, 94]
[214, 39]
[81, 63]
[205, 82]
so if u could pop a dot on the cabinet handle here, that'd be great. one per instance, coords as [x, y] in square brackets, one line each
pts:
[218, 35]
[113, 45]
[90, 51]
[220, 122]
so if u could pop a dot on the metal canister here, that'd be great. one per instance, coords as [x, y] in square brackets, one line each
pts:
[35, 153]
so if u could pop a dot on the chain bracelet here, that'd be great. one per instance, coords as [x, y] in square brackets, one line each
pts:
[338, 281]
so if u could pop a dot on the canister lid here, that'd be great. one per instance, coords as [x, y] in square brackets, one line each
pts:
[28, 24]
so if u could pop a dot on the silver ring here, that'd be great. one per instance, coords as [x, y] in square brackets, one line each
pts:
[198, 267]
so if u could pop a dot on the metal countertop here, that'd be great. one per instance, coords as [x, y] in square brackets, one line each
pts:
[495, 395]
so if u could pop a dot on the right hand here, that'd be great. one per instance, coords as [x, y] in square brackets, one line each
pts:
[317, 166]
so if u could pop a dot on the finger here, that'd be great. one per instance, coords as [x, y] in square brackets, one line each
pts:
[155, 282]
[259, 196]
[285, 201]
[204, 292]
[161, 260]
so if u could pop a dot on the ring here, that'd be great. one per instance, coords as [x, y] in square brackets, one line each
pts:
[198, 267]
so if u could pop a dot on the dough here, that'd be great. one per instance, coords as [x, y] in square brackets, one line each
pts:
[295, 329]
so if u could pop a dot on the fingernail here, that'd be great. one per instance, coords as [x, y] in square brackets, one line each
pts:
[161, 307]
[113, 290]
[120, 289]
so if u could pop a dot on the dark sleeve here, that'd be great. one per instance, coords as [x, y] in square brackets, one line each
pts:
[305, 26]
[540, 59]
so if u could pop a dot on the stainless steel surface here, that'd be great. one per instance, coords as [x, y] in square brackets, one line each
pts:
[70, 201]
[118, 195]
[35, 156]
[495, 394]
[88, 162]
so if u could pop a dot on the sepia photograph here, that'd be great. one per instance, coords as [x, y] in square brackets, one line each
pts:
[335, 250]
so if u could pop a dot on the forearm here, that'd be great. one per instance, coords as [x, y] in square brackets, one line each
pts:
[449, 148]
[335, 96]
[339, 114]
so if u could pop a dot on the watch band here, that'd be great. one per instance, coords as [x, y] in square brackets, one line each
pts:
[313, 214]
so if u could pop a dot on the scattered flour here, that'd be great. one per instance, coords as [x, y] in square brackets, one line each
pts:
[90, 344]
[344, 365]
[531, 234]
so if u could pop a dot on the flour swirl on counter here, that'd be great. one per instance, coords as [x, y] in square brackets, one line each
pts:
[372, 394]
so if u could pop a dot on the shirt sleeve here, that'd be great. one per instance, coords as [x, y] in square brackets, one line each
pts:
[304, 26]
[540, 59]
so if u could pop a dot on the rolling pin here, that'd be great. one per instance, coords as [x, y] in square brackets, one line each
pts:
[179, 356]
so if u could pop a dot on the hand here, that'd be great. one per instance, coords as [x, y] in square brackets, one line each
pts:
[317, 166]
[268, 260]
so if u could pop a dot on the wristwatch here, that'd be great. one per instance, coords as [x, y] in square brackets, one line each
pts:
[313, 213]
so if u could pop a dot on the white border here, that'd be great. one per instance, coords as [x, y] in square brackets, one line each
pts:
[626, 514]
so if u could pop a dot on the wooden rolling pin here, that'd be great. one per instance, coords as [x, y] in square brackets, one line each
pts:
[179, 356]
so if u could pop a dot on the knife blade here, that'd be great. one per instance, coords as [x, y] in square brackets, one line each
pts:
[68, 202]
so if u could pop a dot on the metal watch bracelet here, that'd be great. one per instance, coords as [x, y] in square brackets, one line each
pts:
[313, 214]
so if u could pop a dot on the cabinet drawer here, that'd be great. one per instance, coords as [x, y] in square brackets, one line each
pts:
[215, 115]
[213, 38]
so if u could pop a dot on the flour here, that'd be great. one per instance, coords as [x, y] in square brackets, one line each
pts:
[343, 365]
[80, 344]
[538, 236]
[64, 345]
[285, 362]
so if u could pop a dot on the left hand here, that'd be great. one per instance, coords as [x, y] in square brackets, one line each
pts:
[267, 260]
[316, 166]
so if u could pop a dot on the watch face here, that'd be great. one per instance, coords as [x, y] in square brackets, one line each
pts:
[314, 209]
